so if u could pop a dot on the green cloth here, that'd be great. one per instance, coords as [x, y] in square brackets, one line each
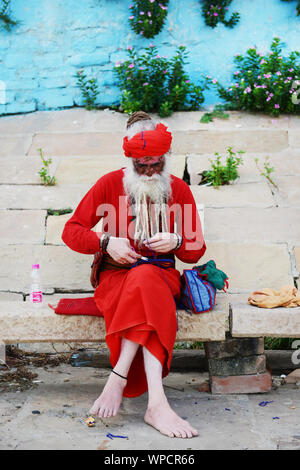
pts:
[210, 272]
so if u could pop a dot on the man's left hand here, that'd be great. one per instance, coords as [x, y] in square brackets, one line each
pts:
[162, 242]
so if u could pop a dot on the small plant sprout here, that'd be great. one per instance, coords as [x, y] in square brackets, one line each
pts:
[43, 172]
[89, 89]
[268, 170]
[220, 175]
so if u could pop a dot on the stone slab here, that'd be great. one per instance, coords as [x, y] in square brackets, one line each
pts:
[296, 251]
[22, 323]
[249, 266]
[237, 365]
[87, 170]
[289, 190]
[10, 297]
[235, 195]
[247, 224]
[22, 227]
[234, 347]
[14, 144]
[255, 383]
[61, 268]
[280, 322]
[54, 228]
[78, 143]
[42, 197]
[65, 120]
[210, 141]
[294, 137]
[23, 170]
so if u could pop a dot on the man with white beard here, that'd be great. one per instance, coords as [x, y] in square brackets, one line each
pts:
[138, 282]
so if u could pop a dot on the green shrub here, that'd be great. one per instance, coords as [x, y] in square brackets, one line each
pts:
[89, 89]
[267, 83]
[219, 174]
[156, 84]
[6, 22]
[147, 17]
[214, 12]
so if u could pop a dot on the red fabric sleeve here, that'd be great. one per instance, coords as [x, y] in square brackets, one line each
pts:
[77, 233]
[193, 246]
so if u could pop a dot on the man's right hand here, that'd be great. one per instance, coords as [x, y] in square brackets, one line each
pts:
[121, 251]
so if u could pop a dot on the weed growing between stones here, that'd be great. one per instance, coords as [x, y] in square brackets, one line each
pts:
[218, 112]
[88, 88]
[147, 17]
[268, 83]
[43, 172]
[214, 11]
[157, 84]
[59, 211]
[220, 174]
[268, 170]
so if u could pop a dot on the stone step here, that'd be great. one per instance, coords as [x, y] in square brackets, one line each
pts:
[256, 194]
[248, 224]
[248, 266]
[80, 119]
[20, 322]
[285, 163]
[199, 141]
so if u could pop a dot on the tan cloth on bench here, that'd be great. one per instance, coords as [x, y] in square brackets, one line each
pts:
[287, 296]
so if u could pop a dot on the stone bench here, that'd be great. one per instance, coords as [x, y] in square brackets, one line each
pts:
[233, 333]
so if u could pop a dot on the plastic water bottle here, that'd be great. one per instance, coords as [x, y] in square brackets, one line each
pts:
[36, 296]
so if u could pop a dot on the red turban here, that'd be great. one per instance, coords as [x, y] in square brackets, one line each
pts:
[148, 143]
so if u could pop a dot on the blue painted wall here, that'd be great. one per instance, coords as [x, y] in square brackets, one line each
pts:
[39, 58]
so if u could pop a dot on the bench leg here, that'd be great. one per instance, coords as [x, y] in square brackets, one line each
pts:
[237, 365]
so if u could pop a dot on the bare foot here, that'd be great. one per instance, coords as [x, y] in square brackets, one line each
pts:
[109, 401]
[166, 421]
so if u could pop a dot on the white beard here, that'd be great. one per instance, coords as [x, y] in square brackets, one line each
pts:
[157, 190]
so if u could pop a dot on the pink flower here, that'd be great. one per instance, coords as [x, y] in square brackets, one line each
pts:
[151, 45]
[267, 75]
[141, 33]
[214, 80]
[150, 21]
[289, 78]
[164, 71]
[130, 66]
[291, 70]
[277, 106]
[129, 48]
[262, 61]
[131, 17]
[145, 84]
[187, 81]
[162, 6]
[237, 72]
[278, 73]
[142, 12]
[157, 57]
[216, 14]
[149, 13]
[268, 99]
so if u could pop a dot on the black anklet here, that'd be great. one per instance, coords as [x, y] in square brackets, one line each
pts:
[122, 376]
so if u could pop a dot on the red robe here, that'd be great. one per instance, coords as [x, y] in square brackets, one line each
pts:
[136, 303]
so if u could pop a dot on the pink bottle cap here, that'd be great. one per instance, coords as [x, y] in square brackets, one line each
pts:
[35, 266]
